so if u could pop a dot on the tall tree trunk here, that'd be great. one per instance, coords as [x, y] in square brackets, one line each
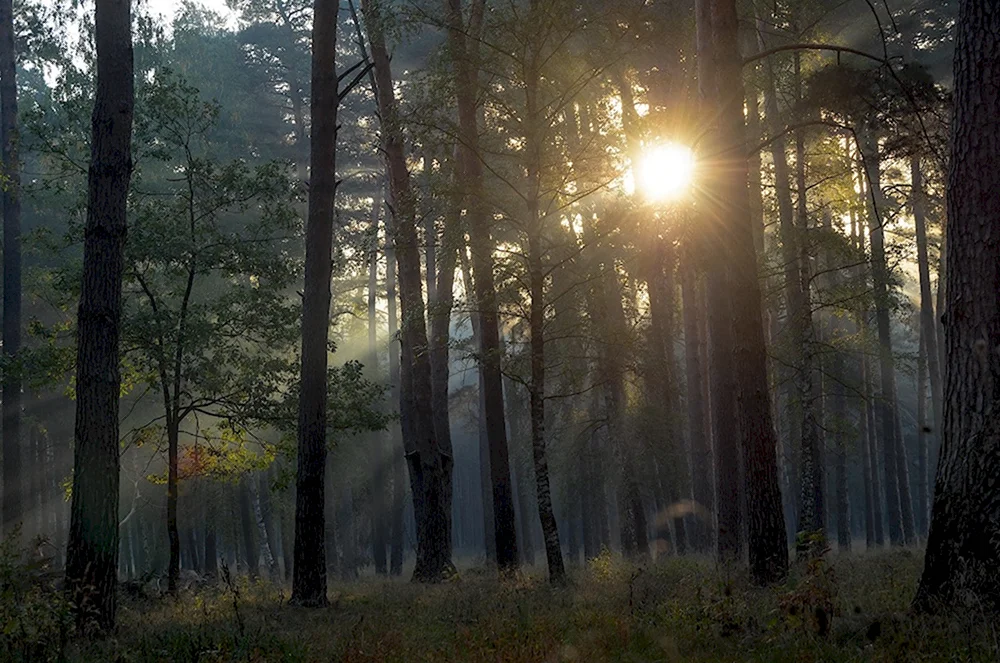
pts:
[928, 332]
[429, 457]
[869, 436]
[963, 547]
[173, 533]
[266, 551]
[396, 452]
[10, 167]
[867, 472]
[211, 553]
[380, 533]
[812, 517]
[701, 453]
[660, 284]
[920, 519]
[721, 377]
[766, 527]
[247, 526]
[439, 315]
[489, 531]
[897, 488]
[309, 575]
[481, 245]
[871, 447]
[93, 540]
[536, 318]
[836, 425]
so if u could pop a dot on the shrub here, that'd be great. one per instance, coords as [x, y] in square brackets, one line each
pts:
[35, 620]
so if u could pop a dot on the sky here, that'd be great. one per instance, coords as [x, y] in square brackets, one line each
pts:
[169, 7]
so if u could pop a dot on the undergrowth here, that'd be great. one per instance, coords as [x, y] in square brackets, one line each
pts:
[831, 608]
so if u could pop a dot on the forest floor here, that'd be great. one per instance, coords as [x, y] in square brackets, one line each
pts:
[841, 608]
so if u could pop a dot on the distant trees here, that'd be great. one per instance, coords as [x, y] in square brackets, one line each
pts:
[963, 546]
[92, 554]
[10, 184]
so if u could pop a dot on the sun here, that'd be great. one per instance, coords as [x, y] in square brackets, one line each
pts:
[665, 172]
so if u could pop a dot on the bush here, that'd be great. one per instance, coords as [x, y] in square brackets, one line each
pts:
[35, 619]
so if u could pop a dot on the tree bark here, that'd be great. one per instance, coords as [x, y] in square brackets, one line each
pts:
[812, 517]
[897, 486]
[247, 526]
[836, 425]
[963, 546]
[486, 491]
[430, 461]
[173, 533]
[93, 540]
[10, 167]
[380, 531]
[660, 285]
[309, 575]
[928, 333]
[721, 378]
[701, 453]
[396, 451]
[920, 519]
[211, 553]
[766, 542]
[481, 245]
[536, 320]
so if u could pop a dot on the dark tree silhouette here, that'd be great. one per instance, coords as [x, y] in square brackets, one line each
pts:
[92, 553]
[309, 576]
[963, 546]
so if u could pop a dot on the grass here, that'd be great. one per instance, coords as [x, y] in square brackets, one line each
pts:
[851, 608]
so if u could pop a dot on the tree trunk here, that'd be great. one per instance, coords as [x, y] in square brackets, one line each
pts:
[701, 453]
[309, 577]
[481, 245]
[766, 527]
[430, 460]
[920, 520]
[265, 550]
[929, 338]
[439, 321]
[897, 489]
[964, 541]
[536, 319]
[489, 530]
[722, 385]
[271, 526]
[211, 548]
[871, 447]
[93, 540]
[396, 453]
[660, 285]
[247, 526]
[837, 424]
[13, 483]
[173, 533]
[812, 517]
[380, 531]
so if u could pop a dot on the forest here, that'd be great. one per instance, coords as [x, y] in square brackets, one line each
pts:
[500, 330]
